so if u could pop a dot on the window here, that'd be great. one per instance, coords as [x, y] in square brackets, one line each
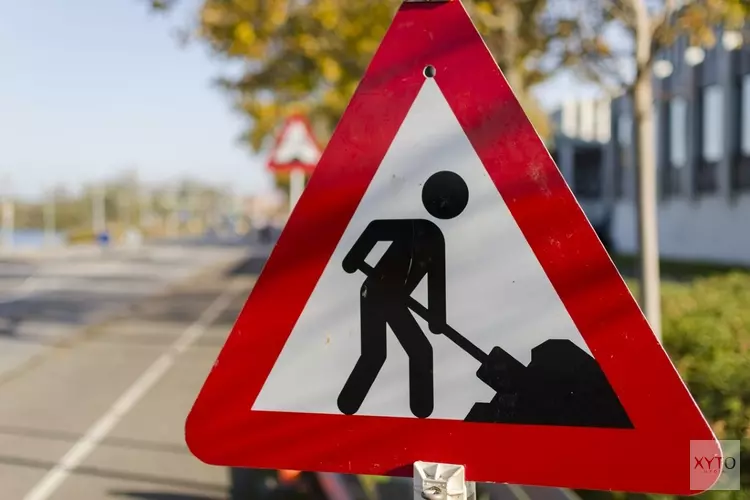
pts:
[624, 152]
[657, 125]
[587, 170]
[603, 119]
[678, 150]
[745, 117]
[569, 118]
[742, 172]
[624, 129]
[712, 102]
[713, 121]
[587, 120]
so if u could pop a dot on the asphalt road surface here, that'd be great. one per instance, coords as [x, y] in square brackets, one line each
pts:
[47, 297]
[97, 411]
[101, 415]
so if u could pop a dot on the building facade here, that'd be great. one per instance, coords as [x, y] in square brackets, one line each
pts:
[582, 133]
[702, 126]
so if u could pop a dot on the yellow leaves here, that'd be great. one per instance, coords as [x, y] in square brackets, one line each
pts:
[736, 13]
[265, 118]
[566, 27]
[694, 21]
[309, 44]
[212, 15]
[331, 98]
[482, 12]
[367, 45]
[349, 30]
[329, 13]
[535, 113]
[599, 47]
[244, 33]
[309, 52]
[334, 99]
[295, 108]
[719, 427]
[699, 18]
[350, 87]
[330, 69]
[278, 12]
[262, 111]
[484, 7]
[328, 18]
[245, 41]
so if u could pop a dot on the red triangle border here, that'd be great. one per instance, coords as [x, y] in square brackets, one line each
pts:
[221, 428]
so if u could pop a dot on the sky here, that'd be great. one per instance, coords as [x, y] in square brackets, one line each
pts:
[91, 87]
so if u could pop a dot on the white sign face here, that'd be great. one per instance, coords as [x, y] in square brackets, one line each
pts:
[296, 144]
[496, 292]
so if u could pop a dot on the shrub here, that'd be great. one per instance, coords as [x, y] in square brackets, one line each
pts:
[706, 331]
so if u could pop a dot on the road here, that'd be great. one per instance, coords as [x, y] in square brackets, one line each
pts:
[47, 297]
[100, 416]
[97, 411]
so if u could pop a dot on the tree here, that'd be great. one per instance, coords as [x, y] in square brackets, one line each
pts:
[302, 56]
[616, 43]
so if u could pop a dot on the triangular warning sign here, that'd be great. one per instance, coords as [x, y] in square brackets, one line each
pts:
[295, 147]
[438, 295]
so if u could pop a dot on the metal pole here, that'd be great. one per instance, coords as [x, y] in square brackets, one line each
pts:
[192, 208]
[433, 481]
[50, 222]
[98, 201]
[172, 222]
[144, 205]
[296, 186]
[8, 213]
[125, 207]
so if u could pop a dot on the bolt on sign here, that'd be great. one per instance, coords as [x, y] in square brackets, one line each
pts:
[438, 295]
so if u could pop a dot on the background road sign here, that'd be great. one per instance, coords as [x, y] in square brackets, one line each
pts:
[295, 148]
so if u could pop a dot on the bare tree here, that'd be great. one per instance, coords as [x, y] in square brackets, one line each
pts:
[615, 43]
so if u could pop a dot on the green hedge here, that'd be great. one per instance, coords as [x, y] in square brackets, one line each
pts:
[706, 331]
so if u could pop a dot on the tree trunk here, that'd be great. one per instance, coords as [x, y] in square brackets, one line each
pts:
[509, 51]
[644, 142]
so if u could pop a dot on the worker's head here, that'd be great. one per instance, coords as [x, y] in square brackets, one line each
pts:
[445, 195]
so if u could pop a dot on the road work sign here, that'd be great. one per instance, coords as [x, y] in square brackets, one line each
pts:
[438, 295]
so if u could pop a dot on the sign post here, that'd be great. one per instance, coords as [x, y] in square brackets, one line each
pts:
[50, 226]
[7, 214]
[296, 152]
[437, 216]
[296, 186]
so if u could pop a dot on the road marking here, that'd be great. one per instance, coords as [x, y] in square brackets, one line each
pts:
[518, 492]
[27, 287]
[570, 494]
[97, 432]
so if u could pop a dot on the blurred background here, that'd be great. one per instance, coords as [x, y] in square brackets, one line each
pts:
[135, 196]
